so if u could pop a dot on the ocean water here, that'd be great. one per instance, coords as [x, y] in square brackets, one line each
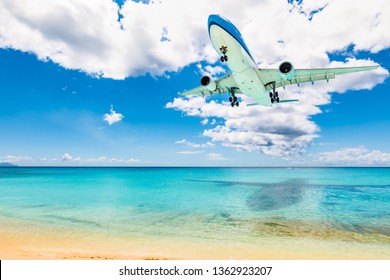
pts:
[216, 204]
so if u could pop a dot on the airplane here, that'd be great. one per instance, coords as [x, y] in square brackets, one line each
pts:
[246, 78]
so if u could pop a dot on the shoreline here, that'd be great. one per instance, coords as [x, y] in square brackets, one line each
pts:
[28, 241]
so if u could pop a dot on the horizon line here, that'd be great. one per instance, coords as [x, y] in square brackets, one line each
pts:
[184, 166]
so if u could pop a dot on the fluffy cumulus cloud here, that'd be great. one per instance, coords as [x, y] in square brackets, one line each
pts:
[104, 39]
[113, 116]
[282, 130]
[212, 71]
[355, 156]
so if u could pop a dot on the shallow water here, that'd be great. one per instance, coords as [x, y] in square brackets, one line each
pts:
[237, 205]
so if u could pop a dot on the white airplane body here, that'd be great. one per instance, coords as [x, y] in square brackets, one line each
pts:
[246, 78]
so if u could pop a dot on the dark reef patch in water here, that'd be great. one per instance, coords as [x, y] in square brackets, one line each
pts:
[276, 196]
[269, 196]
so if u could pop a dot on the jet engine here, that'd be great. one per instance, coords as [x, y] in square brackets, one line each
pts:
[286, 70]
[208, 83]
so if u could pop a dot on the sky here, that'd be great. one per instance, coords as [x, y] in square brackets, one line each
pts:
[95, 83]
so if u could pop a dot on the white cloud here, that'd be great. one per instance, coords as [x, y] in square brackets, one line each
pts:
[90, 161]
[133, 160]
[204, 121]
[113, 116]
[216, 157]
[355, 156]
[14, 159]
[190, 152]
[168, 35]
[49, 160]
[356, 81]
[209, 70]
[189, 144]
[68, 157]
[182, 141]
[104, 159]
[86, 34]
[283, 130]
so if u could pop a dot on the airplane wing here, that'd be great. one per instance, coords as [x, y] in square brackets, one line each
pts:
[222, 85]
[270, 76]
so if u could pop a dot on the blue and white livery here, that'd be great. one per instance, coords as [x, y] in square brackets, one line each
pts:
[246, 78]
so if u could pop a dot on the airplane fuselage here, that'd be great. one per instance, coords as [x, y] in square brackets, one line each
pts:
[232, 49]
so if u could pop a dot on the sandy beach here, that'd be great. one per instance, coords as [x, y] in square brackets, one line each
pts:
[28, 241]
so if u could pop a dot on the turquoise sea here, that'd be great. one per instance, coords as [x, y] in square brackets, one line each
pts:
[238, 205]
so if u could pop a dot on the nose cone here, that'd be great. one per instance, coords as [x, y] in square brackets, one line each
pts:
[216, 19]
[224, 24]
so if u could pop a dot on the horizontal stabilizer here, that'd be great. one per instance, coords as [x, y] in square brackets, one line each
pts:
[281, 101]
[288, 100]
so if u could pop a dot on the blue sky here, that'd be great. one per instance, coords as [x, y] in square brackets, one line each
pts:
[53, 105]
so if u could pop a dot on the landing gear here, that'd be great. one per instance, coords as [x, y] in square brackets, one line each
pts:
[235, 103]
[233, 99]
[274, 94]
[224, 57]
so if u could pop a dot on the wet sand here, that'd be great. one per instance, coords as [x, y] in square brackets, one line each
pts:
[276, 240]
